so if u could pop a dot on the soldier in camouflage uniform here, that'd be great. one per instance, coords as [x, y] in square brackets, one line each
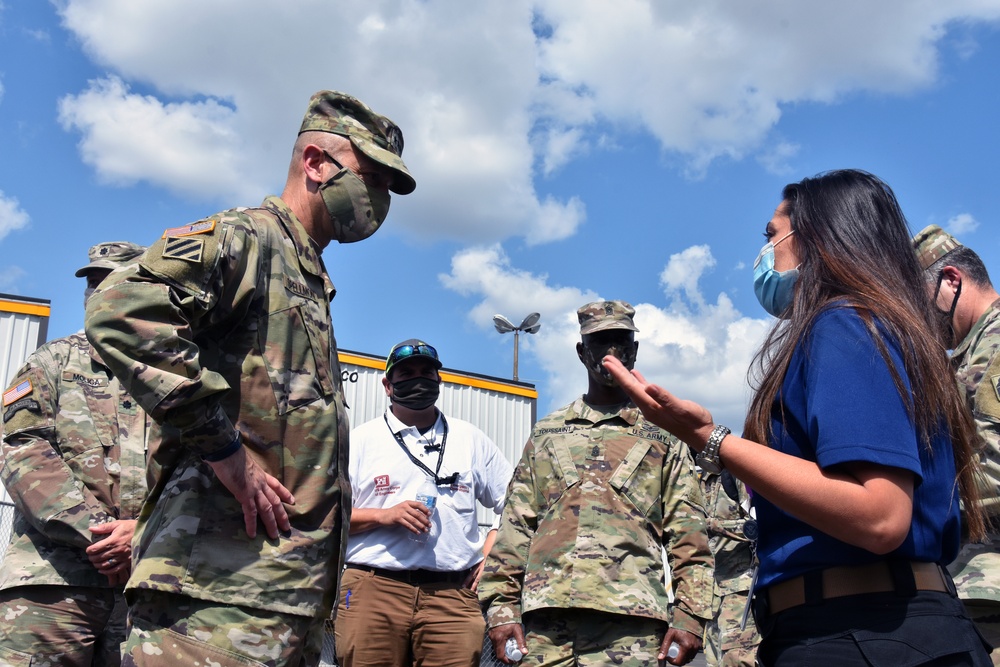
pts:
[224, 331]
[728, 506]
[73, 452]
[970, 308]
[598, 495]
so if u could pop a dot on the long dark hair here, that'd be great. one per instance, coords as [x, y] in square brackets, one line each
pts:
[855, 248]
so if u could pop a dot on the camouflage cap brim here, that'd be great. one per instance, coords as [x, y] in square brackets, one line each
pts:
[109, 256]
[373, 134]
[403, 183]
[932, 243]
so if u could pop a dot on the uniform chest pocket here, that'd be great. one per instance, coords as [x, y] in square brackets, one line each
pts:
[289, 347]
[638, 479]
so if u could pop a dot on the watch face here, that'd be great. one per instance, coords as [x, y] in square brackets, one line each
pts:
[709, 464]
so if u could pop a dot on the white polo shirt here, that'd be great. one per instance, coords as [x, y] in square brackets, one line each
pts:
[382, 475]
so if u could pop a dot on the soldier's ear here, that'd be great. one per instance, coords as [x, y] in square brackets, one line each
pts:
[579, 353]
[313, 159]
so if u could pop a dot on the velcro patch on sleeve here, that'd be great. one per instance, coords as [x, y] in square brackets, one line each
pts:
[203, 227]
[17, 391]
[17, 406]
[187, 249]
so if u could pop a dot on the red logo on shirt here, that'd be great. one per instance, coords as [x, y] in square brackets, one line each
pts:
[381, 481]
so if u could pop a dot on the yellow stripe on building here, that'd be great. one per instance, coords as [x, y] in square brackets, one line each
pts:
[25, 308]
[454, 378]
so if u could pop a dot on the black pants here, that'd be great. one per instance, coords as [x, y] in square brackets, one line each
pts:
[876, 630]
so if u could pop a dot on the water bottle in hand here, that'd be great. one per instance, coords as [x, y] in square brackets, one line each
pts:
[673, 651]
[512, 650]
[428, 495]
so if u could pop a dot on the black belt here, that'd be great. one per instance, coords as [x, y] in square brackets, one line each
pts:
[416, 577]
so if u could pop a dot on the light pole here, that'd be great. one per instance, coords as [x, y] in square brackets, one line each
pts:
[528, 325]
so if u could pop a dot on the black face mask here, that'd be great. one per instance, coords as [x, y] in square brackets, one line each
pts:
[416, 393]
[946, 319]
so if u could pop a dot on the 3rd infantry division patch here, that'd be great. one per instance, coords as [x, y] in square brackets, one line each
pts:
[184, 247]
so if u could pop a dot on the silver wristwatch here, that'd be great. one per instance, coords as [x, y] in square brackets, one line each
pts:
[709, 457]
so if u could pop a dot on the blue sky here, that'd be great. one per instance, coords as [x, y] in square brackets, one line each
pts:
[564, 151]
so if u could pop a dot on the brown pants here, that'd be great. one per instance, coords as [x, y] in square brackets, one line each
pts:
[61, 625]
[387, 623]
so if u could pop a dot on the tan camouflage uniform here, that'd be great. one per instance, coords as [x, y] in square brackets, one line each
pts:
[725, 643]
[976, 361]
[977, 367]
[226, 324]
[593, 500]
[73, 455]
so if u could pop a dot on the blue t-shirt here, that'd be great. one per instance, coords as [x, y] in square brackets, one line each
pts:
[840, 406]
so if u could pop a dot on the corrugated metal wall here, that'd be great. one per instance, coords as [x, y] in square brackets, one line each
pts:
[503, 409]
[24, 324]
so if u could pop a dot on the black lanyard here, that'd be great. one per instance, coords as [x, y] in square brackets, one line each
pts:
[438, 480]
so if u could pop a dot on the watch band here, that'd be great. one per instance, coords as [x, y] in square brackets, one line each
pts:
[709, 458]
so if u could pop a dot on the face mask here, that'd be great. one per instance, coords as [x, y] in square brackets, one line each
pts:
[592, 356]
[774, 289]
[87, 293]
[356, 210]
[416, 393]
[946, 319]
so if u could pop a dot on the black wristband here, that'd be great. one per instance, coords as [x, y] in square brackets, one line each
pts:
[225, 452]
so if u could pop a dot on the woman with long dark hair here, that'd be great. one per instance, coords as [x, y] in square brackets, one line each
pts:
[857, 445]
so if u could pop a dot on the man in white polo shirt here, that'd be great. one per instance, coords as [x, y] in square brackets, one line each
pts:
[415, 551]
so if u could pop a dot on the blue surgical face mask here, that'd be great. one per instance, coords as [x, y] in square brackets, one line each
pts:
[774, 289]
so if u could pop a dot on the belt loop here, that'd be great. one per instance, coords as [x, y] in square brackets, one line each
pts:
[812, 584]
[903, 580]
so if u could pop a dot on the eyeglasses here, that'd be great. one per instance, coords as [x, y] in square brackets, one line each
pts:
[372, 178]
[407, 351]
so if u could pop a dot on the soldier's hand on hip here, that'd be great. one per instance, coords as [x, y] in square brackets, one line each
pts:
[260, 494]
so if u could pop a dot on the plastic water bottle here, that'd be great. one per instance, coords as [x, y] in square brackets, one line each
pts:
[673, 650]
[512, 650]
[428, 495]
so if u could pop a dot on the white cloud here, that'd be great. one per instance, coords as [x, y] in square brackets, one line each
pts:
[9, 278]
[12, 216]
[963, 223]
[696, 349]
[128, 137]
[775, 158]
[486, 93]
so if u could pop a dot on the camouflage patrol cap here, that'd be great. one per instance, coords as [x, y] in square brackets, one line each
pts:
[109, 256]
[604, 315]
[932, 243]
[374, 135]
[411, 348]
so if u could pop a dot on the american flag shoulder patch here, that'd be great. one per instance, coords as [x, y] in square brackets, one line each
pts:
[19, 391]
[185, 248]
[203, 227]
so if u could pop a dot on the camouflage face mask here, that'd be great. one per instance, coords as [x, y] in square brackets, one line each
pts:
[356, 210]
[593, 354]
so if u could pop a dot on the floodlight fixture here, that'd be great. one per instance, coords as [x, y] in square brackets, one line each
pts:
[528, 325]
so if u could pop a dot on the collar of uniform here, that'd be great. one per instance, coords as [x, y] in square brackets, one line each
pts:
[397, 426]
[309, 255]
[627, 412]
[986, 319]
